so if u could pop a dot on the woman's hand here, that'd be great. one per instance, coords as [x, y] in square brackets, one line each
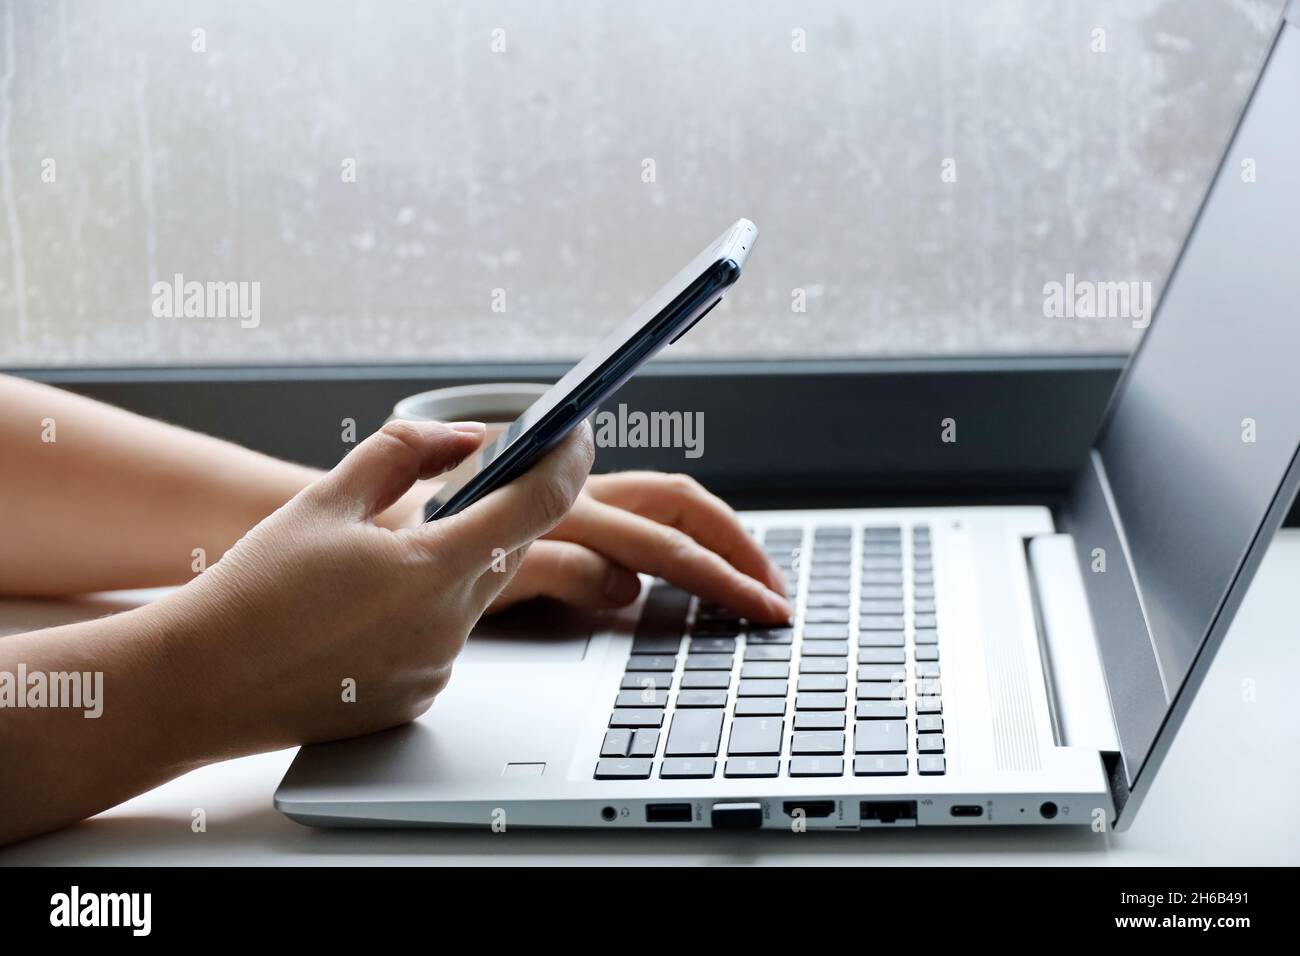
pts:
[665, 525]
[318, 599]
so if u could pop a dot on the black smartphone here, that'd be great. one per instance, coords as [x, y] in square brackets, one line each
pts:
[668, 315]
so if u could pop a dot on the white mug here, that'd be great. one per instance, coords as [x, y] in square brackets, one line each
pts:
[496, 405]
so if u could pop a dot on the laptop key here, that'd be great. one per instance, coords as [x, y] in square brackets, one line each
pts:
[929, 705]
[892, 579]
[760, 707]
[881, 622]
[827, 615]
[930, 766]
[927, 669]
[823, 665]
[930, 653]
[636, 717]
[818, 720]
[881, 710]
[613, 768]
[702, 698]
[828, 632]
[880, 737]
[882, 765]
[752, 767]
[828, 585]
[616, 744]
[886, 672]
[706, 680]
[694, 733]
[816, 766]
[708, 662]
[882, 690]
[644, 743]
[923, 606]
[880, 592]
[765, 652]
[652, 662]
[825, 649]
[687, 768]
[881, 639]
[755, 670]
[646, 680]
[763, 688]
[927, 636]
[823, 683]
[642, 698]
[820, 701]
[866, 607]
[771, 635]
[881, 655]
[755, 736]
[830, 600]
[929, 687]
[663, 619]
[817, 742]
[929, 724]
[713, 645]
[929, 743]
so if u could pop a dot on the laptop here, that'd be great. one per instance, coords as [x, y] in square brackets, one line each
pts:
[966, 666]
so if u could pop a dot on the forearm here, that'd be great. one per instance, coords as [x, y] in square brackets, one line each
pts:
[138, 720]
[96, 498]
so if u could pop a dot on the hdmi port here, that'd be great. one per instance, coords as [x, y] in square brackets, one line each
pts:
[812, 809]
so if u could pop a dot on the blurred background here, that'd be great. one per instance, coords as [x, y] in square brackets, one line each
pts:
[381, 168]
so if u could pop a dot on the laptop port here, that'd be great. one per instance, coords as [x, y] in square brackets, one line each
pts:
[888, 811]
[967, 810]
[812, 809]
[668, 813]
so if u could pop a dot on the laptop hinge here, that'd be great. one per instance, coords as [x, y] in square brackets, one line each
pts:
[1081, 710]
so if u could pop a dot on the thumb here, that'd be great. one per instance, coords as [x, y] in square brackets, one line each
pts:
[380, 470]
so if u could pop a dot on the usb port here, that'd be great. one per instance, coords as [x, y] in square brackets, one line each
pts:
[889, 811]
[966, 810]
[812, 809]
[668, 813]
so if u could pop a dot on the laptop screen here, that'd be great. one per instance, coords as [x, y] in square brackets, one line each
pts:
[1206, 422]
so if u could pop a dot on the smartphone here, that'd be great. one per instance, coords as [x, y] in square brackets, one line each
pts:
[668, 315]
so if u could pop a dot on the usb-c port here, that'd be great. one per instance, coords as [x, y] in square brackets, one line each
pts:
[967, 810]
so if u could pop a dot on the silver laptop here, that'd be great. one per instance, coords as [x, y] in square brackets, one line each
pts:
[946, 666]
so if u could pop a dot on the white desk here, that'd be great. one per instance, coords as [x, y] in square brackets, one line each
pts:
[1225, 795]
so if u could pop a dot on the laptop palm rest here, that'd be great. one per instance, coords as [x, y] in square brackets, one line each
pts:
[505, 725]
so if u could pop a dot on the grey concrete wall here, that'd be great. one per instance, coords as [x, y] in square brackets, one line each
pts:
[126, 156]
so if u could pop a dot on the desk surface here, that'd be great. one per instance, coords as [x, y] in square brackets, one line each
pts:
[1225, 795]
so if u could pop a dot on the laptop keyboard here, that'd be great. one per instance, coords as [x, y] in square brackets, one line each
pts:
[851, 687]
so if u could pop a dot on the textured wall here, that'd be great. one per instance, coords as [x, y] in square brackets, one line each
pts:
[523, 169]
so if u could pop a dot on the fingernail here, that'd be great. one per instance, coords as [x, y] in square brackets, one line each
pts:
[468, 428]
[621, 587]
[780, 606]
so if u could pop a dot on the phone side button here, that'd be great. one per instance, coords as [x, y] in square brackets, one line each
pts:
[697, 320]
